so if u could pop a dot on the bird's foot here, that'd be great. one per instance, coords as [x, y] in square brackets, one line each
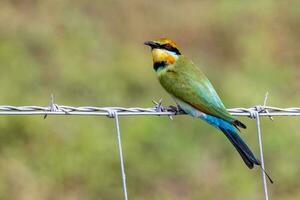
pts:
[160, 108]
[176, 109]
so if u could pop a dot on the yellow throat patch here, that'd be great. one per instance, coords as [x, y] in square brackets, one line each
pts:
[161, 55]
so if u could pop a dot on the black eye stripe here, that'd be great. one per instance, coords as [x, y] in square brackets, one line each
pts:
[170, 48]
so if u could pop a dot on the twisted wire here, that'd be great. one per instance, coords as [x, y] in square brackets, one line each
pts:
[158, 109]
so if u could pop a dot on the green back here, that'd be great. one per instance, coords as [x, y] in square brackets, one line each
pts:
[186, 81]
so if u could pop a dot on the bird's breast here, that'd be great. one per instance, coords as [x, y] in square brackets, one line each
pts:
[189, 109]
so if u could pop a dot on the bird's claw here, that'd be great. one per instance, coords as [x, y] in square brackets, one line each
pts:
[176, 109]
[160, 108]
[173, 109]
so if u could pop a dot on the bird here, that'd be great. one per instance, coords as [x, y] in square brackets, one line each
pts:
[196, 96]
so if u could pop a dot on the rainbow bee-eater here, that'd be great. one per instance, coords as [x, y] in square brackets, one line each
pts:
[195, 95]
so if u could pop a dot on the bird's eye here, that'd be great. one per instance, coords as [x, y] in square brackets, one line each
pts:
[168, 46]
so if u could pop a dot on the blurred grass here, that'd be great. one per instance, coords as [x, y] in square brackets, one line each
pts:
[91, 53]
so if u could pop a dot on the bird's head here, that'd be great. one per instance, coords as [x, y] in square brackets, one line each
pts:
[164, 52]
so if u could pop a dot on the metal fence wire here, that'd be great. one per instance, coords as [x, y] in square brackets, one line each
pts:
[115, 112]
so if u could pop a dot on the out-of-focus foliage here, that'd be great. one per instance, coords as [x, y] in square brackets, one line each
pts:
[92, 53]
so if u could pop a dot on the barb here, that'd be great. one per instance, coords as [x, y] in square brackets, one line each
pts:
[262, 108]
[54, 107]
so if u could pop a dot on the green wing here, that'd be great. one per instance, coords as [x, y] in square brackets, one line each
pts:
[185, 81]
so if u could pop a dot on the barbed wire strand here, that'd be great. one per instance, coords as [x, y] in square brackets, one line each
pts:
[123, 111]
[158, 110]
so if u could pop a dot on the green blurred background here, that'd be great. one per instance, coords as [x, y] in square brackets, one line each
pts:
[92, 53]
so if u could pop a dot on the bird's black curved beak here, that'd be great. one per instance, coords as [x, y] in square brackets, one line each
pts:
[151, 44]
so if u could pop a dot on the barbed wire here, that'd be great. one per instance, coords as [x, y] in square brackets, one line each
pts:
[157, 109]
[56, 109]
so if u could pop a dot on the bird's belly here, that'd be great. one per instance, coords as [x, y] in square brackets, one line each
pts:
[189, 109]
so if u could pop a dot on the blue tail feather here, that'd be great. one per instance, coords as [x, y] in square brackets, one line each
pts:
[230, 131]
[232, 134]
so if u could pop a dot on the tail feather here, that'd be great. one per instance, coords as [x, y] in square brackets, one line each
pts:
[240, 146]
[231, 132]
[238, 123]
[243, 149]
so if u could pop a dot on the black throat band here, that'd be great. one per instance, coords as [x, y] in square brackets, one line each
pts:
[158, 65]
